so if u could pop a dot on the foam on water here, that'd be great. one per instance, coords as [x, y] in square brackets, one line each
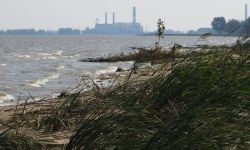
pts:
[110, 69]
[43, 80]
[44, 54]
[23, 56]
[6, 99]
[71, 57]
[50, 57]
[3, 64]
[59, 67]
[58, 53]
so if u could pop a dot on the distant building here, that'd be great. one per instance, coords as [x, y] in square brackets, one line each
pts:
[116, 27]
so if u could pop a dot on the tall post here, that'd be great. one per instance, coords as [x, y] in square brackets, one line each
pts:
[134, 15]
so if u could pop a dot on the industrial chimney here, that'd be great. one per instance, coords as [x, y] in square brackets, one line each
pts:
[106, 18]
[134, 15]
[113, 17]
[246, 12]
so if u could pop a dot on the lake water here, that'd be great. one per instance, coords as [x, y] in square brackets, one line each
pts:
[44, 65]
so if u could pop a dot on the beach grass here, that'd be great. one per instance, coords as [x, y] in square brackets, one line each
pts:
[198, 99]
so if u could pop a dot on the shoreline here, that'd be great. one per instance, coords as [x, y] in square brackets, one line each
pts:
[59, 138]
[99, 74]
[103, 80]
[143, 101]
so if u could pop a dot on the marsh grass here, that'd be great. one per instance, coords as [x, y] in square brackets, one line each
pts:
[200, 101]
[67, 112]
[12, 139]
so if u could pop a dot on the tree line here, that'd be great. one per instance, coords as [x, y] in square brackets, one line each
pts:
[232, 26]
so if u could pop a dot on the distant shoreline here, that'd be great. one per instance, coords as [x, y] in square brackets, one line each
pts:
[217, 35]
[214, 35]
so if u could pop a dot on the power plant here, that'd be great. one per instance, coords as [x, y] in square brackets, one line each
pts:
[116, 27]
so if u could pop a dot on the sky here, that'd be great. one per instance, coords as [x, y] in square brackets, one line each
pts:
[180, 15]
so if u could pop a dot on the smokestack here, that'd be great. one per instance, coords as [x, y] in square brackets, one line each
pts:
[113, 17]
[134, 15]
[97, 20]
[246, 12]
[106, 18]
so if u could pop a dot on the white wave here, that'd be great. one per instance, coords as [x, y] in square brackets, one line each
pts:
[111, 69]
[3, 64]
[70, 57]
[43, 80]
[50, 57]
[38, 82]
[59, 67]
[59, 53]
[44, 54]
[23, 56]
[5, 98]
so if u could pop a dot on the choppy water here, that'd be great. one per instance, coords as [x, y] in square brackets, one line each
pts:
[44, 65]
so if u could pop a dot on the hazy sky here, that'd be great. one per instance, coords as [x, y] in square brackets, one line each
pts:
[179, 14]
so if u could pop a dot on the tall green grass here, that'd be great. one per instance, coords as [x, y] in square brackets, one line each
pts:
[10, 140]
[200, 101]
